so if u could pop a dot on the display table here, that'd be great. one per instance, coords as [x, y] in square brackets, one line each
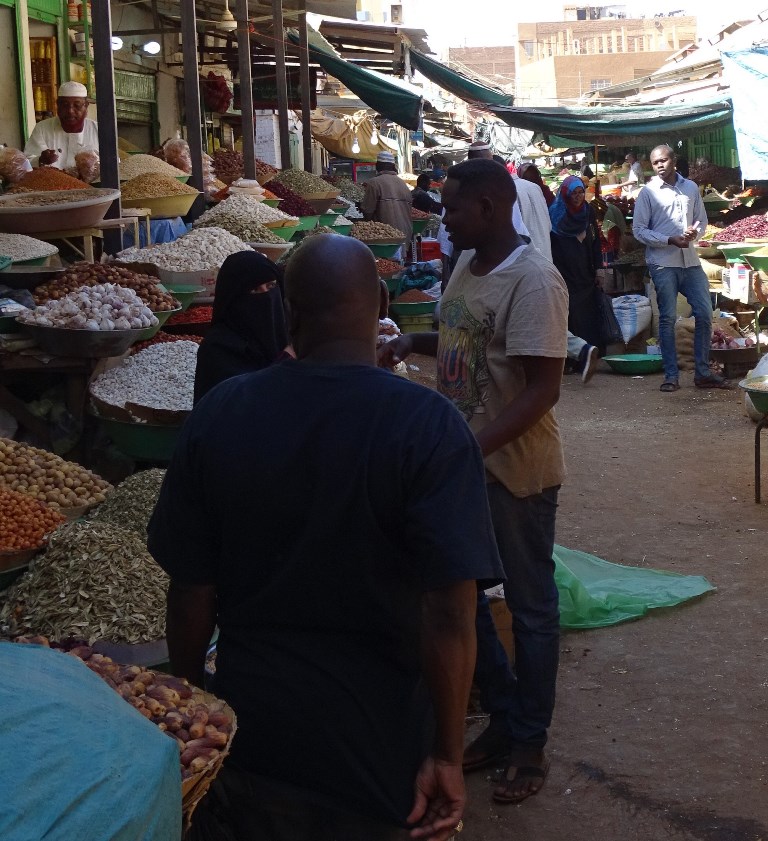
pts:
[88, 234]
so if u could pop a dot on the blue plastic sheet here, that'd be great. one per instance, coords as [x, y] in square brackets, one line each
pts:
[160, 230]
[595, 593]
[747, 73]
[76, 761]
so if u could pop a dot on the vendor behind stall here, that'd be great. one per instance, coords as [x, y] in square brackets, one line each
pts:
[56, 141]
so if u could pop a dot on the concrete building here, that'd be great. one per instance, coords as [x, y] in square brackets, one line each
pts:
[562, 61]
[492, 65]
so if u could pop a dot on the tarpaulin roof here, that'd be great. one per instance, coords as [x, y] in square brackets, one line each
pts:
[604, 125]
[464, 87]
[747, 72]
[382, 93]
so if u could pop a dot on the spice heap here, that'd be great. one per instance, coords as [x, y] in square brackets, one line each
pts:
[160, 377]
[414, 296]
[135, 165]
[24, 522]
[103, 307]
[243, 211]
[291, 202]
[131, 503]
[347, 188]
[227, 165]
[94, 581]
[42, 200]
[203, 249]
[47, 178]
[81, 275]
[161, 338]
[752, 226]
[19, 247]
[47, 477]
[369, 231]
[304, 183]
[386, 268]
[419, 214]
[194, 315]
[154, 186]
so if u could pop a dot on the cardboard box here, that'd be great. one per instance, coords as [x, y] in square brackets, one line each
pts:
[502, 619]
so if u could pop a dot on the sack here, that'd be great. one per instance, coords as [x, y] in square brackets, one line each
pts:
[633, 312]
[610, 332]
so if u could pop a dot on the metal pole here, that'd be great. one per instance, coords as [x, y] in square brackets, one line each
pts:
[246, 90]
[282, 85]
[193, 115]
[107, 114]
[306, 93]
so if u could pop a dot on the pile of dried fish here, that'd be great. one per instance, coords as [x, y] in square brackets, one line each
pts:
[131, 503]
[95, 581]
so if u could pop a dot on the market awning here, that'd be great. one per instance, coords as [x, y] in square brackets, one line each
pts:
[747, 72]
[382, 93]
[607, 125]
[464, 87]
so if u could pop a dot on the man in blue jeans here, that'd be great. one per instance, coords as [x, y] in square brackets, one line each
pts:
[500, 352]
[669, 217]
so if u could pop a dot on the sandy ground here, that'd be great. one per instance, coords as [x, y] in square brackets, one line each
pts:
[661, 725]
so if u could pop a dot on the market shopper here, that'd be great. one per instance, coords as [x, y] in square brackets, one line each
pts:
[577, 254]
[635, 175]
[500, 351]
[56, 141]
[387, 197]
[530, 172]
[331, 519]
[248, 330]
[669, 217]
[421, 198]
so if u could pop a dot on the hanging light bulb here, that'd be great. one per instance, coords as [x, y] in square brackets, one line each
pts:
[374, 135]
[355, 145]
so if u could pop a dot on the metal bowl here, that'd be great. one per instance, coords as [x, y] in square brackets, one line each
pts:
[89, 344]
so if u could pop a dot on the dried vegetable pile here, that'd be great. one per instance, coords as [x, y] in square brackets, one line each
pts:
[94, 581]
[131, 503]
[347, 188]
[753, 227]
[304, 183]
[82, 274]
[24, 522]
[20, 247]
[47, 477]
[203, 249]
[152, 185]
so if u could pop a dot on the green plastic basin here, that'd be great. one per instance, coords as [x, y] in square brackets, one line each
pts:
[386, 251]
[735, 252]
[759, 264]
[185, 294]
[5, 262]
[162, 317]
[635, 363]
[758, 396]
[419, 225]
[284, 233]
[328, 218]
[142, 441]
[306, 223]
[421, 308]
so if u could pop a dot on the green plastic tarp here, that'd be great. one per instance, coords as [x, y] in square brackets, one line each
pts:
[393, 100]
[464, 87]
[595, 593]
[602, 125]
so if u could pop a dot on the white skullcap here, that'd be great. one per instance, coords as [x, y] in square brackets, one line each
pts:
[385, 158]
[479, 146]
[73, 89]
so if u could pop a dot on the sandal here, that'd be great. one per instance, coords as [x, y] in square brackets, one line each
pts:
[526, 782]
[492, 746]
[670, 385]
[713, 382]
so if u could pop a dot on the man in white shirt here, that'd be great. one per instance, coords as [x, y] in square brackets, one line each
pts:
[635, 177]
[669, 217]
[56, 141]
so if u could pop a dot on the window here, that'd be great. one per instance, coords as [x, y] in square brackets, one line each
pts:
[599, 84]
[528, 47]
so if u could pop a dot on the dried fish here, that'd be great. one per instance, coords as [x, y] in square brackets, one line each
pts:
[131, 503]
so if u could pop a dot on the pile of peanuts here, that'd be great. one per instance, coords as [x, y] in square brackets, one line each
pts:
[24, 522]
[369, 231]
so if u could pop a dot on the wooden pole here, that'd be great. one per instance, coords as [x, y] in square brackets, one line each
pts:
[192, 112]
[306, 93]
[246, 90]
[282, 85]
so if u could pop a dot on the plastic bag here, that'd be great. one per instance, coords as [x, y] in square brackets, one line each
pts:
[88, 166]
[418, 276]
[610, 332]
[176, 153]
[13, 164]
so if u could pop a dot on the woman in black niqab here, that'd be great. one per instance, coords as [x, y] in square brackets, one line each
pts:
[248, 330]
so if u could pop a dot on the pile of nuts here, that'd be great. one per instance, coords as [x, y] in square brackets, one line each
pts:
[369, 231]
[131, 503]
[203, 249]
[24, 522]
[386, 268]
[348, 188]
[160, 377]
[243, 211]
[227, 165]
[304, 183]
[152, 185]
[47, 477]
[263, 235]
[56, 197]
[419, 214]
[291, 202]
[47, 178]
[94, 274]
[102, 307]
[161, 338]
[20, 247]
[94, 581]
[135, 165]
[265, 170]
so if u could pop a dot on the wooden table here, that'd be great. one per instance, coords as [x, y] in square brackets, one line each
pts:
[88, 234]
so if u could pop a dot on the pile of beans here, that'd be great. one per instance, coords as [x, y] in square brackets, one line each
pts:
[291, 202]
[414, 296]
[20, 247]
[387, 267]
[161, 337]
[47, 178]
[203, 249]
[135, 165]
[752, 226]
[263, 169]
[47, 477]
[419, 214]
[367, 231]
[154, 186]
[24, 522]
[227, 165]
[94, 274]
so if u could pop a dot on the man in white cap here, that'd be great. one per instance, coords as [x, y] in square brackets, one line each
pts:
[387, 197]
[56, 141]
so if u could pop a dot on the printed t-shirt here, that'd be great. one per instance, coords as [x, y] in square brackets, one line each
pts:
[486, 324]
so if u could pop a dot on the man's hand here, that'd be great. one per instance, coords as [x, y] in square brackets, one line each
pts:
[394, 351]
[440, 800]
[48, 157]
[681, 241]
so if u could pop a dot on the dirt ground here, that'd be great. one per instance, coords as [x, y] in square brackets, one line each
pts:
[661, 725]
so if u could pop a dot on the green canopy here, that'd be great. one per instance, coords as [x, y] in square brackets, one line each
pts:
[393, 100]
[604, 125]
[470, 90]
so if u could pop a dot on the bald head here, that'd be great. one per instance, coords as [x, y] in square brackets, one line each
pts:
[333, 293]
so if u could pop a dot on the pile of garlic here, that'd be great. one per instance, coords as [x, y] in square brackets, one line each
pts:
[103, 307]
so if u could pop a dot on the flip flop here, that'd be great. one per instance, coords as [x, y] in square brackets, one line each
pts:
[714, 382]
[532, 775]
[669, 385]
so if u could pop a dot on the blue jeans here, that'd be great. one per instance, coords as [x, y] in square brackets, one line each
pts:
[524, 697]
[693, 284]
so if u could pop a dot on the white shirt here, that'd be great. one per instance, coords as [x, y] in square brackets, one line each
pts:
[535, 214]
[48, 134]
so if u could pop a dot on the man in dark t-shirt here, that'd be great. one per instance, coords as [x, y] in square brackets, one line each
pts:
[331, 519]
